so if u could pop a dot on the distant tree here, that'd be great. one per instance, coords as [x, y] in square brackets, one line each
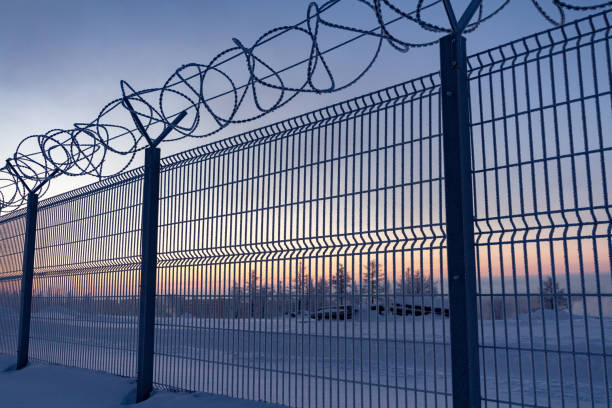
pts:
[253, 291]
[322, 292]
[264, 295]
[417, 283]
[310, 295]
[373, 281]
[498, 307]
[553, 297]
[340, 284]
[299, 286]
[236, 296]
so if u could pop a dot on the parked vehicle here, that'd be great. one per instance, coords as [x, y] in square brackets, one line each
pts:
[334, 313]
[379, 308]
[420, 307]
[304, 313]
[417, 310]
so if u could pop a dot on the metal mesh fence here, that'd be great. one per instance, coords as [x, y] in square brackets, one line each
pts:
[304, 263]
[292, 264]
[542, 152]
[11, 252]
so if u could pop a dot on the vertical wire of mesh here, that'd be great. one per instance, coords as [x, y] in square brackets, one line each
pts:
[541, 163]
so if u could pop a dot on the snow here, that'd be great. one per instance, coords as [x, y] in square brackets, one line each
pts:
[50, 386]
[543, 358]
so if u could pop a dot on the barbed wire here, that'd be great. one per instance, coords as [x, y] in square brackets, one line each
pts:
[87, 148]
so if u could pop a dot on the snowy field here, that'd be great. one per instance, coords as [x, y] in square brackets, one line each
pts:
[537, 359]
[50, 386]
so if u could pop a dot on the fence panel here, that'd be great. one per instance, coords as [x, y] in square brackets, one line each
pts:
[542, 151]
[293, 259]
[86, 277]
[12, 236]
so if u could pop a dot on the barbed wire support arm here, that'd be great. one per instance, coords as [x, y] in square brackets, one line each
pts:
[458, 26]
[467, 16]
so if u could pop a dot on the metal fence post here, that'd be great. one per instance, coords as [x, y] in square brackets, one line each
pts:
[26, 282]
[146, 326]
[459, 222]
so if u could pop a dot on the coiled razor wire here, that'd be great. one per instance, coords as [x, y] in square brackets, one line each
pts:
[86, 148]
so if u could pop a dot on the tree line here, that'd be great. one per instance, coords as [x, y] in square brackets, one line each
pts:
[304, 293]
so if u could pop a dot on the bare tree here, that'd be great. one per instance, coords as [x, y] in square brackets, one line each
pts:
[253, 291]
[373, 280]
[340, 284]
[310, 296]
[323, 292]
[417, 283]
[299, 288]
[498, 307]
[265, 294]
[553, 296]
[236, 296]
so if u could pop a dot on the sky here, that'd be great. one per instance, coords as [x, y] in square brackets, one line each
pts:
[61, 61]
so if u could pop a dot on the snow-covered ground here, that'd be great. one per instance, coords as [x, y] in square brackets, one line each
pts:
[51, 386]
[536, 359]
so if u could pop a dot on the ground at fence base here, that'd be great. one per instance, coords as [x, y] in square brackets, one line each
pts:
[50, 386]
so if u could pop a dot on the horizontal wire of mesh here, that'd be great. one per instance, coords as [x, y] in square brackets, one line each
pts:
[86, 280]
[305, 267]
[542, 155]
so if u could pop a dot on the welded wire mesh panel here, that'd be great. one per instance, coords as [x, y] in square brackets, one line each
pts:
[86, 279]
[302, 263]
[11, 255]
[542, 151]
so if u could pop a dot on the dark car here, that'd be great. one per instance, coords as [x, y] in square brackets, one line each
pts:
[417, 310]
[379, 308]
[334, 313]
[303, 313]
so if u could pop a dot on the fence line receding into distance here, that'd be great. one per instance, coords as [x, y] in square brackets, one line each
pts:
[305, 263]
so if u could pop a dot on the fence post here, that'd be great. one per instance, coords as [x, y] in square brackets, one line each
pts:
[459, 222]
[150, 207]
[146, 327]
[25, 308]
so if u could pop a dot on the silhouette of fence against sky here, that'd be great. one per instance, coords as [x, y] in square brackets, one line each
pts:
[305, 262]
